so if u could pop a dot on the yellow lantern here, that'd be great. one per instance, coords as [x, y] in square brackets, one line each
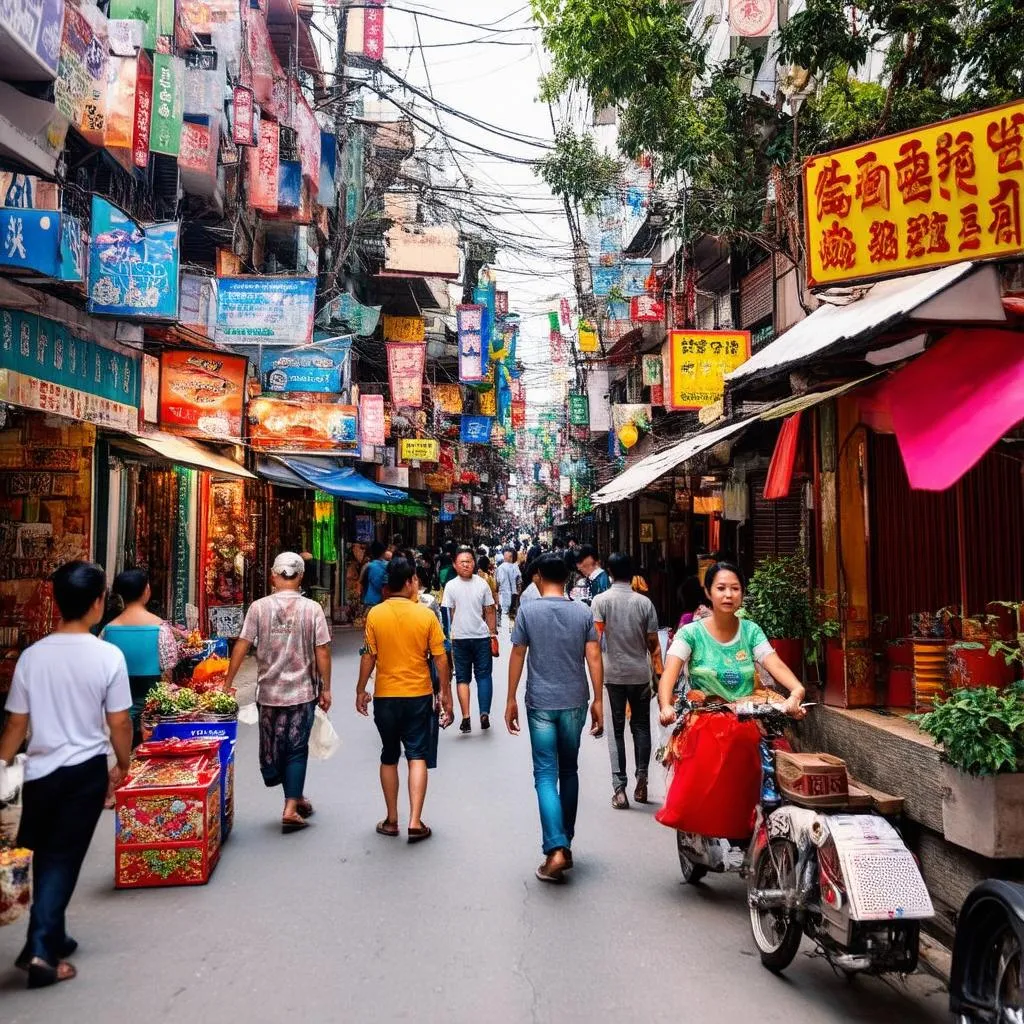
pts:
[628, 435]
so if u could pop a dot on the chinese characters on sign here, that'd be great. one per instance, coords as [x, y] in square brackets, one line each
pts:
[202, 393]
[404, 328]
[938, 195]
[168, 104]
[697, 364]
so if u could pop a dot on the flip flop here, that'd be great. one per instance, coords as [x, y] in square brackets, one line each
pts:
[289, 825]
[555, 877]
[387, 828]
[42, 975]
[417, 835]
[68, 949]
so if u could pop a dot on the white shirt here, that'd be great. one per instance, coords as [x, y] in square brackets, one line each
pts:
[531, 593]
[67, 684]
[467, 599]
[509, 578]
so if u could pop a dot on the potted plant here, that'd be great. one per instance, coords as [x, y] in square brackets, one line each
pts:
[779, 602]
[982, 733]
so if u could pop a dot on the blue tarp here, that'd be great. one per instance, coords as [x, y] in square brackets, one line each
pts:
[325, 475]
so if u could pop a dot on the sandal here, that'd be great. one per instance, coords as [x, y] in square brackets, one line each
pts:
[387, 828]
[68, 949]
[305, 808]
[417, 835]
[555, 877]
[289, 825]
[42, 975]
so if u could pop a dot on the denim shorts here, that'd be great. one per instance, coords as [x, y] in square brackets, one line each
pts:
[403, 721]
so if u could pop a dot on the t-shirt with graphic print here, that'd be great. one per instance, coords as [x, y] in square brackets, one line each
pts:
[285, 628]
[722, 670]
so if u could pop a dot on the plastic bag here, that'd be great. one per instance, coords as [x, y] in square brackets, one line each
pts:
[716, 783]
[324, 741]
[248, 714]
[12, 778]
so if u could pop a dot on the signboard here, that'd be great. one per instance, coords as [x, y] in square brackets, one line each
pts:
[645, 310]
[476, 429]
[263, 168]
[48, 243]
[35, 27]
[419, 449]
[925, 198]
[150, 400]
[157, 17]
[404, 328]
[265, 310]
[301, 425]
[753, 17]
[651, 370]
[634, 277]
[698, 363]
[405, 374]
[143, 112]
[447, 398]
[133, 271]
[243, 124]
[202, 393]
[74, 79]
[168, 104]
[321, 367]
[371, 419]
[579, 411]
[588, 341]
[197, 305]
[469, 319]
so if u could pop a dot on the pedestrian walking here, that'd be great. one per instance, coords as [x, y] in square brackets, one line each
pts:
[591, 579]
[474, 634]
[560, 640]
[628, 624]
[510, 581]
[68, 689]
[403, 639]
[531, 575]
[293, 675]
[374, 576]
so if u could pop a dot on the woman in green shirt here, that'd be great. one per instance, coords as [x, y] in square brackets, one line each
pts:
[720, 654]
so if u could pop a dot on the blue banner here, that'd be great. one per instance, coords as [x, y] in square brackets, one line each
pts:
[265, 310]
[45, 241]
[476, 429]
[133, 271]
[321, 367]
[606, 279]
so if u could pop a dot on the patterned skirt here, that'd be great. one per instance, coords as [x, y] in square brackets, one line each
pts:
[284, 739]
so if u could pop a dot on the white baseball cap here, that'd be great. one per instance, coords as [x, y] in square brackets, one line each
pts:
[289, 565]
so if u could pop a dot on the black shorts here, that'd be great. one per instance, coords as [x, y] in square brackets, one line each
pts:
[403, 722]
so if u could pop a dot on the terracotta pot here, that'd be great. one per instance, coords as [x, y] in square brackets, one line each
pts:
[970, 665]
[792, 654]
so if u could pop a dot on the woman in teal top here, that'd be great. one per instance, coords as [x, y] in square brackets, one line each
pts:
[720, 654]
[146, 641]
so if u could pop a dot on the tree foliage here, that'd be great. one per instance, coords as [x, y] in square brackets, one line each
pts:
[577, 171]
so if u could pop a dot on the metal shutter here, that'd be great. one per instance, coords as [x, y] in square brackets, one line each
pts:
[778, 526]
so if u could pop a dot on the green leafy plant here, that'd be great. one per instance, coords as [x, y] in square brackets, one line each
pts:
[981, 729]
[826, 625]
[778, 600]
[1012, 651]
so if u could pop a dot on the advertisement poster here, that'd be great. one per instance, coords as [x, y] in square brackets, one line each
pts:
[405, 374]
[419, 449]
[371, 419]
[698, 363]
[202, 393]
[265, 310]
[469, 319]
[133, 271]
[301, 425]
[320, 367]
[476, 429]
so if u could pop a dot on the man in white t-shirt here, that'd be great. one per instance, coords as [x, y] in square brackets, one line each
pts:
[474, 633]
[69, 688]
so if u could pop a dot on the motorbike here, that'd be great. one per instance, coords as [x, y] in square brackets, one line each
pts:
[840, 876]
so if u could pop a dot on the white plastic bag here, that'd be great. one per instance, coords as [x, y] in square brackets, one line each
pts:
[248, 715]
[324, 740]
[12, 778]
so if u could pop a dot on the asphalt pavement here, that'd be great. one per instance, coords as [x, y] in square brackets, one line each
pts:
[338, 924]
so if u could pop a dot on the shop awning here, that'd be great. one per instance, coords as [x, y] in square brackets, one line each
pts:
[645, 472]
[961, 293]
[409, 509]
[183, 452]
[802, 402]
[326, 475]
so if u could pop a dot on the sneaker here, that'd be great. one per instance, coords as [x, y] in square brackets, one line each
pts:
[619, 800]
[467, 726]
[485, 722]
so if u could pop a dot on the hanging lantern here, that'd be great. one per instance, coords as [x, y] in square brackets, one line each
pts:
[628, 435]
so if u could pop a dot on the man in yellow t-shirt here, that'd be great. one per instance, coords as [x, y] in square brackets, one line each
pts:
[401, 636]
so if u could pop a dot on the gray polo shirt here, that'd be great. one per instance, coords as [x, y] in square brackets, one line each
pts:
[628, 619]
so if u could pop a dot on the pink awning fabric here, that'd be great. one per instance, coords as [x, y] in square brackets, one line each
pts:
[950, 405]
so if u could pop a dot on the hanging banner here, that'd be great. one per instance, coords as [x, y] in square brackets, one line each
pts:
[320, 367]
[371, 419]
[518, 415]
[419, 449]
[168, 104]
[476, 429]
[361, 319]
[243, 124]
[645, 310]
[588, 340]
[753, 17]
[698, 363]
[143, 112]
[267, 310]
[606, 280]
[564, 312]
[500, 303]
[202, 393]
[405, 374]
[301, 425]
[264, 169]
[469, 319]
[579, 411]
[925, 198]
[447, 398]
[404, 328]
[181, 548]
[133, 271]
[651, 370]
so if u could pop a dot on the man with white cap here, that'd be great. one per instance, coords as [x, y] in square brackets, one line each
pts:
[293, 675]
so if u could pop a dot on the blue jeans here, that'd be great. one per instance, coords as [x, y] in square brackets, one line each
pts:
[473, 657]
[555, 740]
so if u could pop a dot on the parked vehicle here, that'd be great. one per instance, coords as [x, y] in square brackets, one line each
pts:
[842, 877]
[986, 984]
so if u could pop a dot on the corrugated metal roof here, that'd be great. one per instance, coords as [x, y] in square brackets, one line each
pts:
[882, 306]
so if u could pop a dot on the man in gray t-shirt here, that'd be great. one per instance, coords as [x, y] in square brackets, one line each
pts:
[562, 644]
[628, 624]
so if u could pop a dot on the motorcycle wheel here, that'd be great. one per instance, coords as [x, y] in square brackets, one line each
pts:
[998, 973]
[777, 933]
[692, 873]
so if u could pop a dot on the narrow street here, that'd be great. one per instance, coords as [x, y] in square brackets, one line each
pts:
[339, 924]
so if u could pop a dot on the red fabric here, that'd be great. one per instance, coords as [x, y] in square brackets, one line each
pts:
[716, 783]
[780, 472]
[950, 405]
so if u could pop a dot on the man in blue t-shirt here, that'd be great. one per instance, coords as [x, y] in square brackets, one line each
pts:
[562, 643]
[375, 577]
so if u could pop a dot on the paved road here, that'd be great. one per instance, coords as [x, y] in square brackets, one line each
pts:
[337, 924]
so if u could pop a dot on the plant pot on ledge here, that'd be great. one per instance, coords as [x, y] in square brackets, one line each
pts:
[984, 814]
